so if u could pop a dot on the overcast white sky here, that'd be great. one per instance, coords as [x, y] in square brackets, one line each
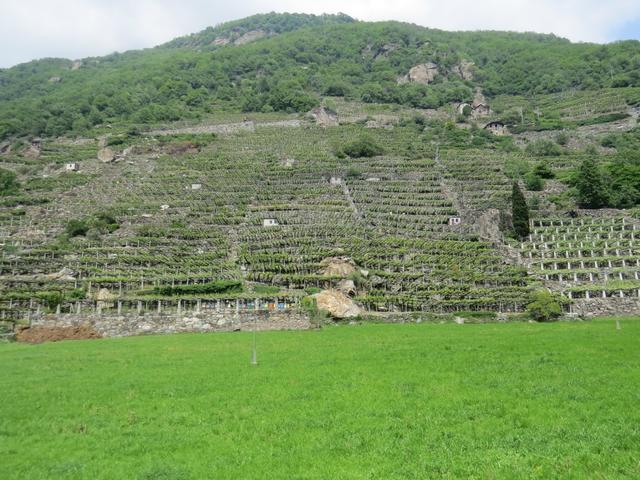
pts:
[78, 28]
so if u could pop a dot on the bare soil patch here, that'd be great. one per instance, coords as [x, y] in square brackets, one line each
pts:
[55, 334]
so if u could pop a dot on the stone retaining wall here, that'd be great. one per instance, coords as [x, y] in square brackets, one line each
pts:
[150, 323]
[606, 306]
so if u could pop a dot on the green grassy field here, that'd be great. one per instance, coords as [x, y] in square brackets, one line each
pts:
[512, 400]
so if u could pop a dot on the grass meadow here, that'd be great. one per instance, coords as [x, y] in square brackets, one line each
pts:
[515, 400]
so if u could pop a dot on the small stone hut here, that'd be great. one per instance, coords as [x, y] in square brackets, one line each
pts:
[497, 128]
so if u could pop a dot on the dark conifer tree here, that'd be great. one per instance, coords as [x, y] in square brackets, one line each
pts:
[590, 183]
[519, 212]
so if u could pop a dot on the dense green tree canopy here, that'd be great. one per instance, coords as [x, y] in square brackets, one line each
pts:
[8, 182]
[591, 186]
[293, 60]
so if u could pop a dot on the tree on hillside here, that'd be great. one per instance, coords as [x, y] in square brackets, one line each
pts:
[544, 306]
[519, 212]
[8, 182]
[590, 184]
[365, 146]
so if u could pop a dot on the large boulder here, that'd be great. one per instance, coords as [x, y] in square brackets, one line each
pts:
[106, 155]
[337, 304]
[337, 267]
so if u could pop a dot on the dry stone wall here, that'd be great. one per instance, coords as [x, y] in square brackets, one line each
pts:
[152, 323]
[606, 306]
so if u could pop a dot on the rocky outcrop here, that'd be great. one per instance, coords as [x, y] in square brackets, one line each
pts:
[425, 73]
[385, 50]
[464, 70]
[488, 225]
[324, 117]
[220, 41]
[250, 36]
[337, 304]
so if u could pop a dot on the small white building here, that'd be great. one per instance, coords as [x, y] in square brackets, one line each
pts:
[269, 222]
[455, 220]
[72, 167]
[196, 186]
[335, 181]
[164, 207]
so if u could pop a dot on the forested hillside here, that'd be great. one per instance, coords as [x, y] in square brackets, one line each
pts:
[286, 62]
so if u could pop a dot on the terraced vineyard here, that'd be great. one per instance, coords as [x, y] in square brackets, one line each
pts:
[256, 214]
[476, 178]
[586, 257]
[198, 217]
[573, 106]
